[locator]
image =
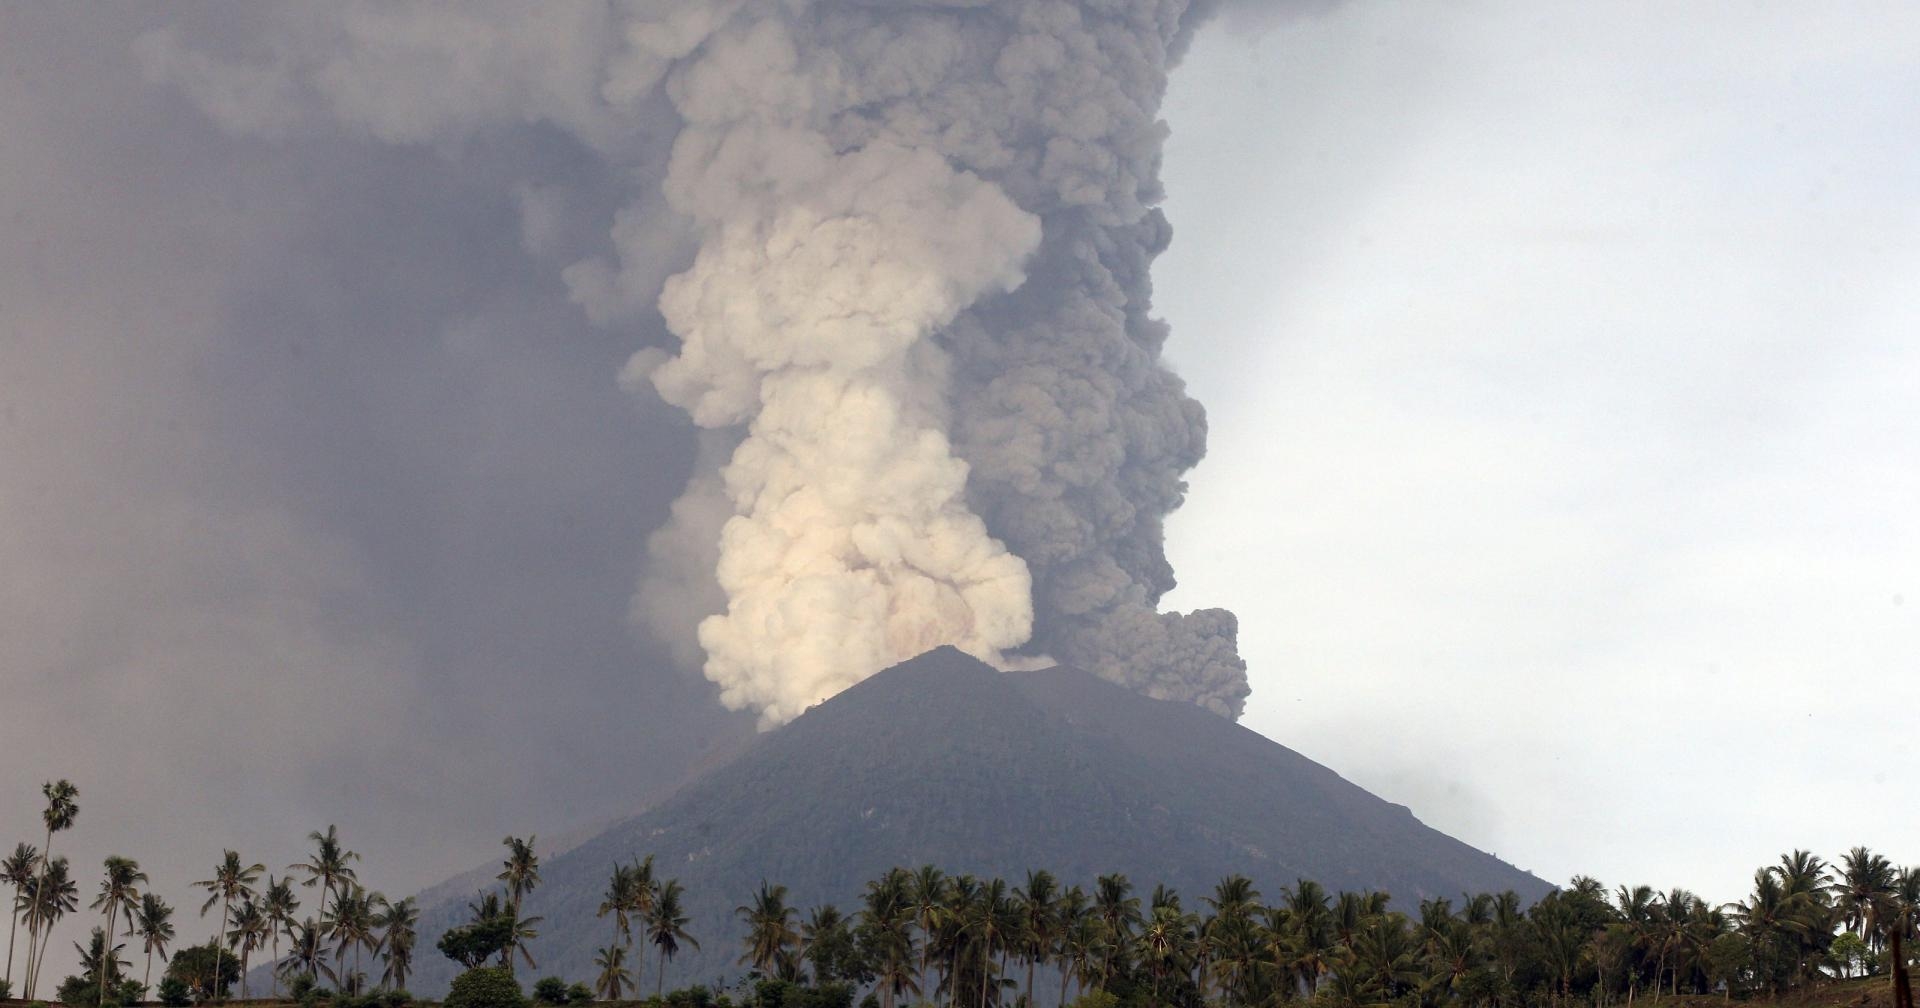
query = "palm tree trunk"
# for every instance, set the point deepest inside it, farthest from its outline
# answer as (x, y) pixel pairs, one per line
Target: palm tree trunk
(12, 928)
(1902, 984)
(219, 946)
(106, 952)
(660, 977)
(1064, 971)
(33, 928)
(1030, 965)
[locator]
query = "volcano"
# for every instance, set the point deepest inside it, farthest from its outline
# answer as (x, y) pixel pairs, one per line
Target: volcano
(944, 760)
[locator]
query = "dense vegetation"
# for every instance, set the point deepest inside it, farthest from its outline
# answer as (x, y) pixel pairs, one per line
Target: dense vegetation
(957, 941)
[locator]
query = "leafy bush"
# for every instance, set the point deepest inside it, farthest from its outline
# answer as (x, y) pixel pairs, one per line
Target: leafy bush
(471, 945)
(194, 966)
(300, 987)
(579, 994)
(485, 987)
(1095, 999)
(173, 992)
(6, 990)
(691, 997)
(550, 991)
(399, 997)
(77, 990)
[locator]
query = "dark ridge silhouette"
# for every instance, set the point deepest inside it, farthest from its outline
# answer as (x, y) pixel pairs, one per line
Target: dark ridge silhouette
(944, 760)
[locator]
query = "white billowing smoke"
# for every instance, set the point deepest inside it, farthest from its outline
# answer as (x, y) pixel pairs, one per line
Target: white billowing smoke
(916, 329)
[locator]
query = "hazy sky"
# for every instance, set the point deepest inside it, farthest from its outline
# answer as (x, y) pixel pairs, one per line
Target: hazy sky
(1562, 372)
(1562, 469)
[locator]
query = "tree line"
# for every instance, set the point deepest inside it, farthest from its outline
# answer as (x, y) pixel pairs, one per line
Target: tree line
(926, 937)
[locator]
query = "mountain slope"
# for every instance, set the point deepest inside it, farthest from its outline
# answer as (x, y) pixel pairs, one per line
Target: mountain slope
(944, 760)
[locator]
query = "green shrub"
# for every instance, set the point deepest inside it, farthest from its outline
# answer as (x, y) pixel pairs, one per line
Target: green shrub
(6, 990)
(173, 992)
(399, 997)
(80, 990)
(550, 991)
(485, 987)
(579, 994)
(1095, 999)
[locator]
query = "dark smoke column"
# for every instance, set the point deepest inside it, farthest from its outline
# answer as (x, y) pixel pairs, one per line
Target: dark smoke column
(1077, 434)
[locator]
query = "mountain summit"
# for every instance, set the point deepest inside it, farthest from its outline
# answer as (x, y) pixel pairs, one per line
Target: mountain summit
(943, 760)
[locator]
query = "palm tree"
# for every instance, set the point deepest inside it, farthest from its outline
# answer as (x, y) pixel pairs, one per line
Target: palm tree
(887, 918)
(641, 909)
(62, 809)
(119, 889)
(278, 904)
(927, 894)
(1863, 893)
(306, 954)
(153, 923)
(618, 901)
(1077, 936)
(231, 880)
(1119, 911)
(397, 941)
(1039, 904)
(18, 871)
(520, 871)
(667, 928)
(613, 972)
(330, 865)
(351, 923)
(249, 932)
(771, 934)
(1780, 924)
(822, 937)
(52, 896)
(1165, 942)
(100, 958)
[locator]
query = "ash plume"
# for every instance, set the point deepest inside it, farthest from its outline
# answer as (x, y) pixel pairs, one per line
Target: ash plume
(903, 253)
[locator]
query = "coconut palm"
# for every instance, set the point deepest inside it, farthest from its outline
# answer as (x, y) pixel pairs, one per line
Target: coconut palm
(248, 932)
(62, 809)
(823, 937)
(231, 880)
(52, 896)
(887, 921)
(1038, 903)
(278, 903)
(667, 928)
(17, 870)
(613, 978)
(619, 901)
(1165, 942)
(771, 932)
(397, 940)
(351, 924)
(101, 958)
(1077, 938)
(306, 953)
(330, 865)
(1863, 893)
(153, 924)
(641, 910)
(1119, 911)
(927, 895)
(520, 871)
(118, 890)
